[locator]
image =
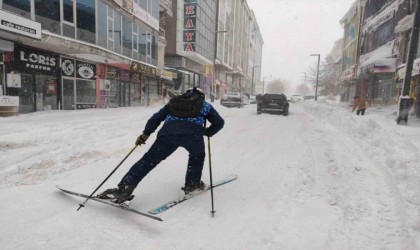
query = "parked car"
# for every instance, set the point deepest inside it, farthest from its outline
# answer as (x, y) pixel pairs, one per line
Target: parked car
(252, 99)
(296, 98)
(309, 97)
(272, 103)
(231, 100)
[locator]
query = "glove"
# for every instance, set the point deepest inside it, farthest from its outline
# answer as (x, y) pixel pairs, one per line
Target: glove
(207, 132)
(141, 139)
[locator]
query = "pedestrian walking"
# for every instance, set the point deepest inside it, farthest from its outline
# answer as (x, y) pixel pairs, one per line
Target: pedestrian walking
(360, 104)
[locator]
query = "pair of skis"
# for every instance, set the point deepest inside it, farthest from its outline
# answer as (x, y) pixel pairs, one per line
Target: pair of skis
(158, 209)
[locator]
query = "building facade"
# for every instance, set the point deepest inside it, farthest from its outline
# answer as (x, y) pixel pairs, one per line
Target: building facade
(65, 54)
(239, 49)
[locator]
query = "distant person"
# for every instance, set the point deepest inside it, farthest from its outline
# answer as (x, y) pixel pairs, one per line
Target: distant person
(360, 104)
(183, 126)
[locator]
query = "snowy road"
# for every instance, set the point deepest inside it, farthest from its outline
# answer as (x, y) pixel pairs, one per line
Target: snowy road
(320, 178)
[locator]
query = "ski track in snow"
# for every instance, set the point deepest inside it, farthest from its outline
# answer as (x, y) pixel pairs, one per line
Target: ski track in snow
(320, 178)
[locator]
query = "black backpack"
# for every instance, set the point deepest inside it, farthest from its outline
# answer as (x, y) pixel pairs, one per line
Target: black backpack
(186, 105)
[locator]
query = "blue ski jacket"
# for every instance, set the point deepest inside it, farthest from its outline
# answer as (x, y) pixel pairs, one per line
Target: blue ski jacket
(185, 126)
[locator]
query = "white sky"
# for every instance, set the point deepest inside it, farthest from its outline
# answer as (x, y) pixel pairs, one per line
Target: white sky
(294, 29)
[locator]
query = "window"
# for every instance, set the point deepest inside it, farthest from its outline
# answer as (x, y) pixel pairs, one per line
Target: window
(20, 7)
(48, 14)
(86, 25)
(148, 47)
(103, 29)
(68, 19)
(142, 43)
(117, 32)
(68, 13)
(135, 42)
(127, 37)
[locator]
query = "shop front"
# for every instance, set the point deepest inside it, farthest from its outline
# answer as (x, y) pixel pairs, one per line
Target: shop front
(33, 76)
(377, 73)
(149, 82)
(78, 84)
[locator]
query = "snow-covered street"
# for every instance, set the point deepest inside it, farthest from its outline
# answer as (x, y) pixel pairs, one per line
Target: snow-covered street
(320, 178)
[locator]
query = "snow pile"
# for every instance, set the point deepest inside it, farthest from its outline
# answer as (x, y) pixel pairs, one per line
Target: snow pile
(320, 178)
(390, 148)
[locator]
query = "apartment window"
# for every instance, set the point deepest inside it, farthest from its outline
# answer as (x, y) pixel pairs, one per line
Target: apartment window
(48, 14)
(86, 25)
(20, 7)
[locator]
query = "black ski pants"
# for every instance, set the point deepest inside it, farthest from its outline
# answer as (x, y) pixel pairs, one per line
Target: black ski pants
(163, 147)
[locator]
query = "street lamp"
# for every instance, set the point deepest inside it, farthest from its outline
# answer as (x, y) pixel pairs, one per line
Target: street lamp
(252, 85)
(216, 32)
(317, 76)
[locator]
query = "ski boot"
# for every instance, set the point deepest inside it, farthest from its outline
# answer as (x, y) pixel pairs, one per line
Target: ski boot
(193, 186)
(121, 195)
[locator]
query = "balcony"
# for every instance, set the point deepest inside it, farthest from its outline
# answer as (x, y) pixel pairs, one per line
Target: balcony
(166, 6)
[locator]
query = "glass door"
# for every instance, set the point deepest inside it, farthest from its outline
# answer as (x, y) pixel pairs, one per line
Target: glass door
(68, 94)
(27, 94)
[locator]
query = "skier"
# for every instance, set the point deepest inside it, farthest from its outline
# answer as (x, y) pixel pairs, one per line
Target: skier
(177, 131)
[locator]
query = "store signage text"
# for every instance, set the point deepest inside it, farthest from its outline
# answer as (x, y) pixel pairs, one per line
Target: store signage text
(190, 20)
(67, 66)
(85, 70)
(139, 68)
(29, 60)
(82, 69)
(9, 101)
(19, 25)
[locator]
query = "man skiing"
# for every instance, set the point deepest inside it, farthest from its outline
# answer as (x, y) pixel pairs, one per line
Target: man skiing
(183, 127)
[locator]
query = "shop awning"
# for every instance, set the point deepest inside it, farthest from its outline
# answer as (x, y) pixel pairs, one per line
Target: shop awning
(402, 69)
(405, 24)
(379, 61)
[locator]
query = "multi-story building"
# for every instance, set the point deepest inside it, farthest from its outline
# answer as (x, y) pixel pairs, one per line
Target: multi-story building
(405, 19)
(377, 62)
(239, 48)
(75, 54)
(190, 48)
(351, 25)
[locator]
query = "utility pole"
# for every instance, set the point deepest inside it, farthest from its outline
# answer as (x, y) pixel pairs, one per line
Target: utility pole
(317, 76)
(404, 101)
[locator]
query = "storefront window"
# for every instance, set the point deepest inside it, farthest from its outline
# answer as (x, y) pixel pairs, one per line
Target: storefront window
(135, 94)
(48, 14)
(85, 92)
(46, 92)
(68, 94)
(86, 20)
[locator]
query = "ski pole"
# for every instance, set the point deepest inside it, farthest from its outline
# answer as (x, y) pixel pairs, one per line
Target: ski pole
(90, 196)
(211, 178)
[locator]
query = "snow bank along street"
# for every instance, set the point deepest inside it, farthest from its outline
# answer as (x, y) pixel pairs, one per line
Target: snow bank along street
(320, 178)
